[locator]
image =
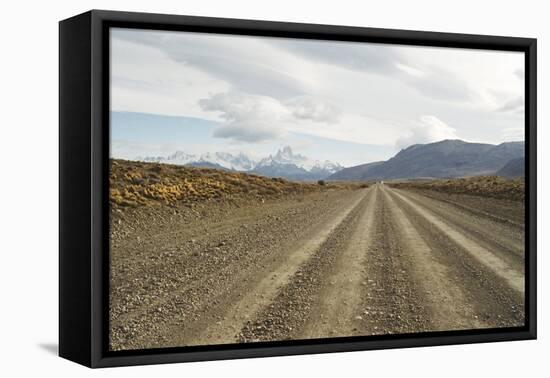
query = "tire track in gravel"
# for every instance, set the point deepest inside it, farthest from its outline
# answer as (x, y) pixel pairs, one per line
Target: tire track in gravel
(192, 287)
(153, 250)
(261, 293)
(443, 294)
(480, 208)
(490, 259)
(375, 261)
(337, 310)
(287, 314)
(392, 301)
(491, 300)
(493, 235)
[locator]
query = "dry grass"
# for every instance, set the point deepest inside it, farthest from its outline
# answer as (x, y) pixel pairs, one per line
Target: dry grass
(143, 184)
(484, 186)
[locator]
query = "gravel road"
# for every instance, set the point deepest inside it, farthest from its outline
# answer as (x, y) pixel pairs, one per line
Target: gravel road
(337, 263)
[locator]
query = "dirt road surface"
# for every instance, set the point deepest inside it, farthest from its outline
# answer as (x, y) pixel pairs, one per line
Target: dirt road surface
(344, 263)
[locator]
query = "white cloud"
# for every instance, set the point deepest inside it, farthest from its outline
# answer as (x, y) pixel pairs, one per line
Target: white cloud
(248, 64)
(315, 109)
(410, 70)
(248, 118)
(143, 79)
(466, 77)
(429, 129)
(516, 104)
(513, 134)
(355, 92)
(440, 85)
(255, 118)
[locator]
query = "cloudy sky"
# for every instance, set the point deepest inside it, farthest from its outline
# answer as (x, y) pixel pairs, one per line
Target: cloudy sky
(347, 102)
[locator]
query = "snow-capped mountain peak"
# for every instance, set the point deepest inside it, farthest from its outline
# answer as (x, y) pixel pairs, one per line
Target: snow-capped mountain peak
(180, 156)
(285, 155)
(239, 162)
(285, 163)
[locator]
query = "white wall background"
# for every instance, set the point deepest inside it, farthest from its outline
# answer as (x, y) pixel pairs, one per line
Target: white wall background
(29, 185)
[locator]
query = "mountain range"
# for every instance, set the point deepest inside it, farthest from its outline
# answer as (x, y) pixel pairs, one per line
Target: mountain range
(220, 160)
(285, 163)
(514, 168)
(443, 159)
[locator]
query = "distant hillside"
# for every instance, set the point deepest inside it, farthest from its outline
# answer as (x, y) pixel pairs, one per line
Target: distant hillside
(514, 168)
(288, 171)
(447, 158)
(356, 173)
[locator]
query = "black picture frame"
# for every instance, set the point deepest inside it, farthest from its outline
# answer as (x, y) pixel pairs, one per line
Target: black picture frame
(83, 181)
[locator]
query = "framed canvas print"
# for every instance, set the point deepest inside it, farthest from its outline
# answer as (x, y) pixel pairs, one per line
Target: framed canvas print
(234, 188)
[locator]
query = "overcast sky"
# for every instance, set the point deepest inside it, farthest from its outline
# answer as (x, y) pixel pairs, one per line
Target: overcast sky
(350, 102)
